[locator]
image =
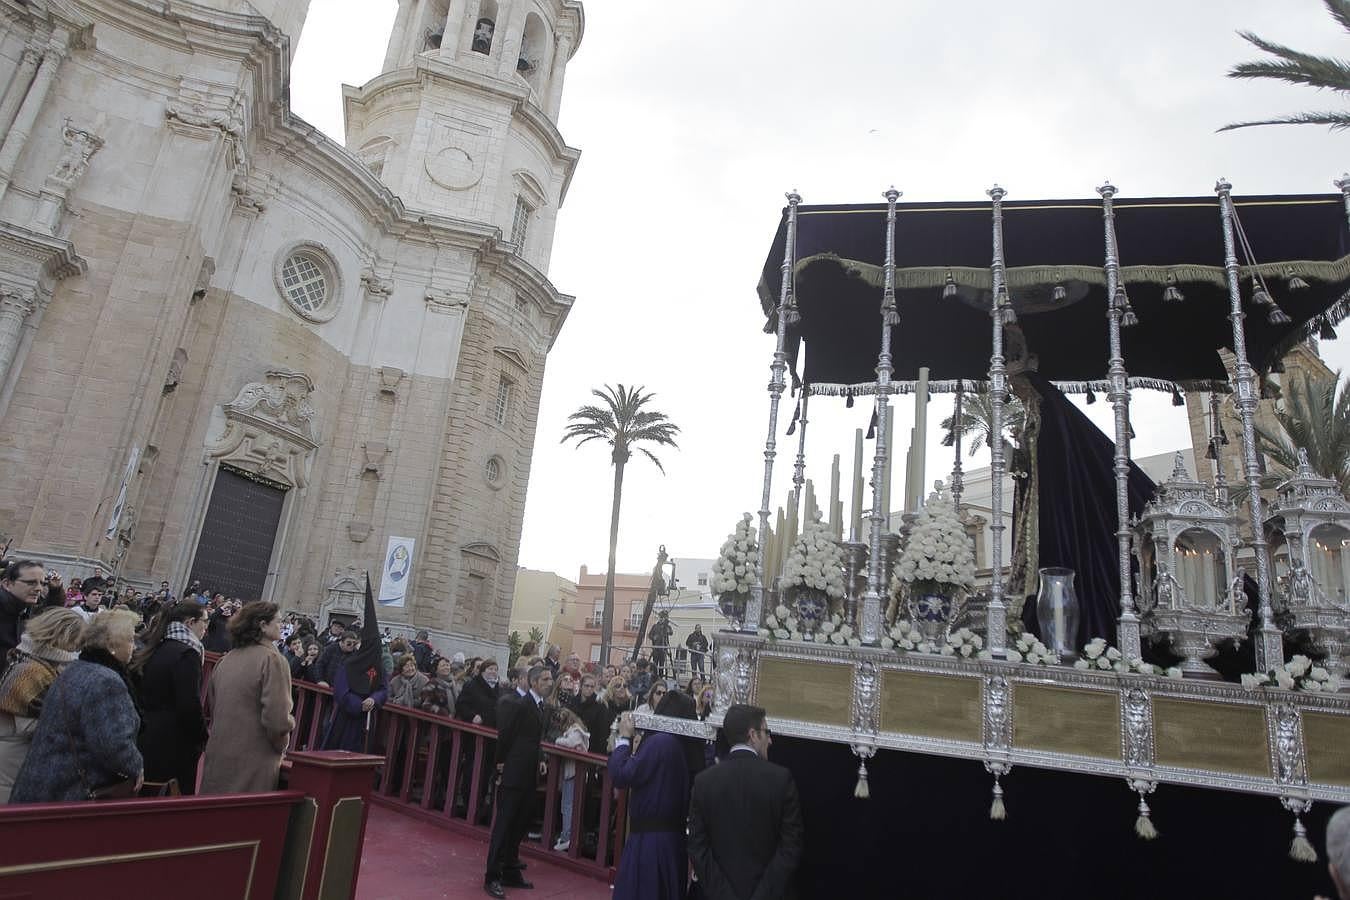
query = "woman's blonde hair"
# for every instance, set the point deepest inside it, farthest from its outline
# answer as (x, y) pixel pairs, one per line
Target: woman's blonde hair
(107, 626)
(59, 628)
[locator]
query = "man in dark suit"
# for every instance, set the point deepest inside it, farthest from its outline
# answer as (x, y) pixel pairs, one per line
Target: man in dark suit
(745, 823)
(520, 727)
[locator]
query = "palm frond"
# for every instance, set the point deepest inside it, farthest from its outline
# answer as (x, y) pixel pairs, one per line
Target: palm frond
(1340, 11)
(1294, 66)
(1336, 121)
(647, 453)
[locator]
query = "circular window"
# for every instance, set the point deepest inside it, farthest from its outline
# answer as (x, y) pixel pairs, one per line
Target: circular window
(308, 280)
(493, 470)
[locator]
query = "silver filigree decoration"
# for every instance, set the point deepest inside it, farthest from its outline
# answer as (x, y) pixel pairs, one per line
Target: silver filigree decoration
(866, 699)
(997, 725)
(1137, 728)
(1290, 767)
(692, 728)
(726, 678)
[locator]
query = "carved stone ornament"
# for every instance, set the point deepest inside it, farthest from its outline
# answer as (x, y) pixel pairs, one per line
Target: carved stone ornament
(390, 378)
(376, 289)
(268, 429)
(1137, 728)
(375, 452)
(446, 302)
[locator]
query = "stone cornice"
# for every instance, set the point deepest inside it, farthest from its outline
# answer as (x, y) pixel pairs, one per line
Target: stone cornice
(54, 16)
(56, 258)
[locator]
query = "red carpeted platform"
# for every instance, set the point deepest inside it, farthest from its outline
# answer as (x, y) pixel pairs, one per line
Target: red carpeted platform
(407, 859)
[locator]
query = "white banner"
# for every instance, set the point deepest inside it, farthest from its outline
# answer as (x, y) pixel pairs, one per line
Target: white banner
(116, 517)
(397, 571)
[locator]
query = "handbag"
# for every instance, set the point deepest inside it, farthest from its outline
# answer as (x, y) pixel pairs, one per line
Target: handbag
(122, 789)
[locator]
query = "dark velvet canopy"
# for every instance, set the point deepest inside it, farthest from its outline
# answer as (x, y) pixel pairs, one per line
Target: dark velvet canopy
(1050, 244)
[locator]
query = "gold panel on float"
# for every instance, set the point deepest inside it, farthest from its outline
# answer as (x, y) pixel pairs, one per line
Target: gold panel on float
(805, 691)
(1066, 720)
(940, 706)
(1327, 739)
(1220, 737)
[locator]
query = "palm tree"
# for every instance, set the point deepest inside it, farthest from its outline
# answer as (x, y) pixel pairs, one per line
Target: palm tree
(1295, 67)
(1316, 418)
(977, 420)
(622, 422)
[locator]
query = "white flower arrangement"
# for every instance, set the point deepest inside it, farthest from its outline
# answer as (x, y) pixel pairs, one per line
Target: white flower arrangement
(1099, 656)
(963, 643)
(1028, 649)
(815, 561)
(782, 625)
(903, 636)
(734, 571)
(1299, 674)
(938, 556)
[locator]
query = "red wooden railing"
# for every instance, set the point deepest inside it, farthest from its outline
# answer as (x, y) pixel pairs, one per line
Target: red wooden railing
(440, 770)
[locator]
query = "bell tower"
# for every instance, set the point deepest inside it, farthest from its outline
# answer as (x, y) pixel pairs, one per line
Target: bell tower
(462, 122)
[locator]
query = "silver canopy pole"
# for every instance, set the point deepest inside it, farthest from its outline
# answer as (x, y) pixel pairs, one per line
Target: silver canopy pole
(997, 615)
(1269, 642)
(1127, 629)
(869, 628)
(754, 610)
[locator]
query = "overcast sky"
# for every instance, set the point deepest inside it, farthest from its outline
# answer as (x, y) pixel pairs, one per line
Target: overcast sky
(694, 119)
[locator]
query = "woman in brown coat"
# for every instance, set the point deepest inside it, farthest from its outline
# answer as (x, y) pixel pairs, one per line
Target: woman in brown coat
(249, 696)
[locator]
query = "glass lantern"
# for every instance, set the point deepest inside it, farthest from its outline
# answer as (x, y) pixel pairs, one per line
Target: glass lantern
(1190, 592)
(1310, 523)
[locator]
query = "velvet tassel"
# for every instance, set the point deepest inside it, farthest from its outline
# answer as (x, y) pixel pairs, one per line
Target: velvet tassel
(1301, 849)
(1009, 315)
(1059, 294)
(1127, 318)
(872, 427)
(1091, 397)
(1172, 293)
(997, 811)
(796, 414)
(794, 316)
(860, 790)
(1325, 331)
(1276, 316)
(848, 400)
(888, 314)
(1295, 283)
(1177, 399)
(1143, 825)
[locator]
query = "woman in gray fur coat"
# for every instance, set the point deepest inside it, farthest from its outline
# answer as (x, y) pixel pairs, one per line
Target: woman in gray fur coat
(86, 734)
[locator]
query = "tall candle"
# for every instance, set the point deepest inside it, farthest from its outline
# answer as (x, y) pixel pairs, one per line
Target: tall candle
(834, 497)
(855, 519)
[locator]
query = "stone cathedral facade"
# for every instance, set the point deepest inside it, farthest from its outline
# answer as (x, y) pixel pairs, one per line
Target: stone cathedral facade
(234, 350)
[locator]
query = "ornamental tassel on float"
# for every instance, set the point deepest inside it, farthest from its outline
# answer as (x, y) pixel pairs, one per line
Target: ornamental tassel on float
(949, 289)
(1091, 397)
(1143, 826)
(1172, 294)
(1292, 280)
(997, 811)
(861, 790)
(1325, 331)
(1301, 850)
(1059, 294)
(1177, 399)
(794, 315)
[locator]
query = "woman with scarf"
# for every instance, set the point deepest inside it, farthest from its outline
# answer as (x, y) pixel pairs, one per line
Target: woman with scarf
(84, 747)
(169, 666)
(659, 775)
(50, 643)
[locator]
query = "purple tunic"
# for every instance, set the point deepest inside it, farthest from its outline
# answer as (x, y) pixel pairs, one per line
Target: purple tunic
(347, 728)
(655, 864)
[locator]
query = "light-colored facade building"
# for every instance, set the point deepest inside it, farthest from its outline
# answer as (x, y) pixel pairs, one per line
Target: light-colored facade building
(543, 601)
(232, 349)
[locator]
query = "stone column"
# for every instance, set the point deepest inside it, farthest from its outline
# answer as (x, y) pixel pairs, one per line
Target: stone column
(561, 52)
(17, 137)
(18, 87)
(456, 18)
(393, 57)
(15, 307)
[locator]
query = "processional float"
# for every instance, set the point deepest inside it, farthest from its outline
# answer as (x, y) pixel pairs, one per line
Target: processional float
(979, 295)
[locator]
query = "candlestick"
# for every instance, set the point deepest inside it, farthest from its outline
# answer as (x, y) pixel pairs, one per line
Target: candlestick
(855, 518)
